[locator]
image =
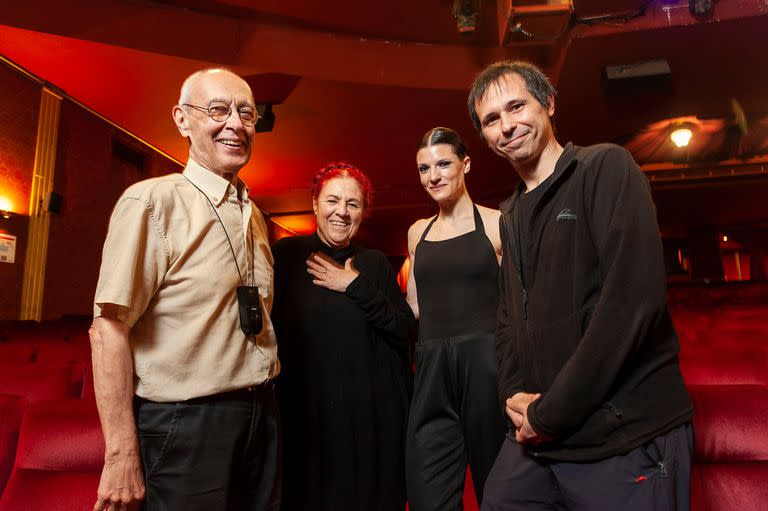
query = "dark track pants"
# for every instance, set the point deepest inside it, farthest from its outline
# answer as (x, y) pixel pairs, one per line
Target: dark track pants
(635, 481)
(454, 419)
(215, 453)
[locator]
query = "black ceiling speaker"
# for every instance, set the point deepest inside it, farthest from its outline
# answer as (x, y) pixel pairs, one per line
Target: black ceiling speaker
(701, 8)
(267, 120)
(637, 78)
(54, 202)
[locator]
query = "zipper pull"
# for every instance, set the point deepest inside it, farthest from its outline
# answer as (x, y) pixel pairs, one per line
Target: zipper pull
(525, 304)
(616, 411)
(662, 469)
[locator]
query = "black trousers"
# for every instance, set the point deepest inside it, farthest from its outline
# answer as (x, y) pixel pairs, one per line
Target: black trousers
(455, 419)
(220, 452)
(652, 477)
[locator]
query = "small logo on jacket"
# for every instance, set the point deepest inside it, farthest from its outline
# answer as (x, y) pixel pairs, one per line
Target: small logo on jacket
(566, 214)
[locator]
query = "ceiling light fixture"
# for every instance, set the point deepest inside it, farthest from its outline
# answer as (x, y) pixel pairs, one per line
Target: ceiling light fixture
(465, 12)
(701, 8)
(681, 136)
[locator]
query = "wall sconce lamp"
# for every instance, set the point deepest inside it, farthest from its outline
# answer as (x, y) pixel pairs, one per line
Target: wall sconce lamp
(681, 136)
(5, 208)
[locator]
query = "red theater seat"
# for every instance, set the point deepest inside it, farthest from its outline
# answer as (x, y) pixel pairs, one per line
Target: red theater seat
(11, 330)
(59, 459)
(88, 392)
(36, 382)
(731, 423)
(729, 326)
(11, 413)
(63, 352)
(76, 355)
(729, 487)
(730, 470)
(737, 340)
(31, 336)
(690, 323)
(749, 314)
(67, 329)
(18, 352)
(719, 365)
(70, 329)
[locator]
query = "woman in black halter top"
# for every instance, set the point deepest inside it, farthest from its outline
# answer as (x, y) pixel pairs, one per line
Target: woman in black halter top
(455, 418)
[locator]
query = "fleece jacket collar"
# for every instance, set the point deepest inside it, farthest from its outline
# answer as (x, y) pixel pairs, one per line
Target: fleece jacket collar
(564, 162)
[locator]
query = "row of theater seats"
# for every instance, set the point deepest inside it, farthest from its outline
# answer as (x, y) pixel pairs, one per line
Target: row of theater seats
(51, 448)
(51, 445)
(724, 360)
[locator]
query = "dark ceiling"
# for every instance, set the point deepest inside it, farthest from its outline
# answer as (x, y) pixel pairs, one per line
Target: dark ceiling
(361, 81)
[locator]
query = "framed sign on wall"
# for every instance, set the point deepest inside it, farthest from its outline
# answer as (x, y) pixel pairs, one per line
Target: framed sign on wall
(7, 248)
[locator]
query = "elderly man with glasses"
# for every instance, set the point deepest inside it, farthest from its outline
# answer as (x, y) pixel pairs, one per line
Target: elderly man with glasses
(182, 343)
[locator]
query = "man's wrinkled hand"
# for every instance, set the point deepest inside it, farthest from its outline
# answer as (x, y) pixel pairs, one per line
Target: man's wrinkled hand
(122, 484)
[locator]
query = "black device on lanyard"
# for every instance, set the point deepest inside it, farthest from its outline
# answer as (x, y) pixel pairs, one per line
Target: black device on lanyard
(248, 299)
(249, 305)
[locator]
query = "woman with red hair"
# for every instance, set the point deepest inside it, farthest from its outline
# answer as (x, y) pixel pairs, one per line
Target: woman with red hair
(342, 326)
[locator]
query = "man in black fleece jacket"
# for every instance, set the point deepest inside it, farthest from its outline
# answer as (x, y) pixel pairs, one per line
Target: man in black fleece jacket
(588, 368)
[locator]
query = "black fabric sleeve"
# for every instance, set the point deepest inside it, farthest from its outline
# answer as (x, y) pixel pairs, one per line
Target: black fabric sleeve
(510, 378)
(383, 303)
(622, 221)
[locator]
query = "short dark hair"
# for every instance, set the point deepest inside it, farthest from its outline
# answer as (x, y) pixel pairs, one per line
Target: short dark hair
(535, 80)
(446, 136)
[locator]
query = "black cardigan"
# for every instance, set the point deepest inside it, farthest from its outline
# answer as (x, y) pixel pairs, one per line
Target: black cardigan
(592, 331)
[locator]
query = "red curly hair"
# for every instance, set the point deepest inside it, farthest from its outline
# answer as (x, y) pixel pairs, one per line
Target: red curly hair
(343, 169)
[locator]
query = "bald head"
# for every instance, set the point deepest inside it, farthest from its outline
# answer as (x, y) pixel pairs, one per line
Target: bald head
(193, 81)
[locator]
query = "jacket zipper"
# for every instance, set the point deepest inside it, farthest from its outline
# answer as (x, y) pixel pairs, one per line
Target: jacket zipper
(513, 236)
(525, 303)
(536, 210)
(525, 295)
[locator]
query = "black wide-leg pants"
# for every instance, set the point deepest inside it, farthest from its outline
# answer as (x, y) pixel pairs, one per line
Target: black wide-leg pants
(220, 452)
(455, 420)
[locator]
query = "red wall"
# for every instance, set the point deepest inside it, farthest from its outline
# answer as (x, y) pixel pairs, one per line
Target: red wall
(11, 275)
(19, 107)
(90, 179)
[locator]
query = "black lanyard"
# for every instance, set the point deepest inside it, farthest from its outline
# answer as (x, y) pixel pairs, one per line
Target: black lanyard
(231, 248)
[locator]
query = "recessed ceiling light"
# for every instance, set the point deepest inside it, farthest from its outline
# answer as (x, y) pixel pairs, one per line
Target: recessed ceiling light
(681, 137)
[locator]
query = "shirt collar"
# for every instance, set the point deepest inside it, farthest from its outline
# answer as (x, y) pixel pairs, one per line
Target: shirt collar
(215, 187)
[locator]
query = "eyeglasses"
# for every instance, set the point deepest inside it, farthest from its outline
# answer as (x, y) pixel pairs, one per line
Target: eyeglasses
(220, 112)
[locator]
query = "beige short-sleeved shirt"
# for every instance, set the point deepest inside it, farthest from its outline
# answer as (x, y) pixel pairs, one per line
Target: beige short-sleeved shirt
(168, 266)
